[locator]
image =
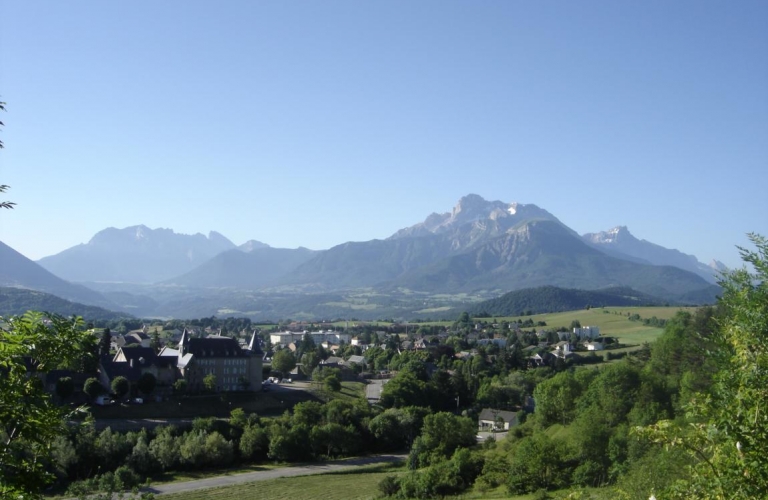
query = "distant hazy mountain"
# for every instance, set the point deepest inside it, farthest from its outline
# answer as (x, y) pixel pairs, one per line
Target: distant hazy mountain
(473, 222)
(135, 254)
(20, 272)
(484, 245)
(252, 245)
(475, 219)
(542, 253)
(248, 270)
(621, 243)
(17, 301)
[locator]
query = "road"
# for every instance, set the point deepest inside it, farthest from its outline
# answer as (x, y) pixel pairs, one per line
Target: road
(248, 477)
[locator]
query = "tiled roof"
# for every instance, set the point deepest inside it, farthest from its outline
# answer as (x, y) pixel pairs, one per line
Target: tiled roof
(215, 347)
(490, 414)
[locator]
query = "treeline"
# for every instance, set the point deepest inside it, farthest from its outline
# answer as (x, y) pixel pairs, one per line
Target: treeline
(91, 461)
(549, 299)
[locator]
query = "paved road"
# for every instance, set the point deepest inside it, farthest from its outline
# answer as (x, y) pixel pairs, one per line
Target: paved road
(248, 477)
(373, 390)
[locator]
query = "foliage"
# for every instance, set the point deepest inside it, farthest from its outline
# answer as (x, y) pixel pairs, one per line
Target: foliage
(553, 299)
(146, 383)
(29, 420)
(441, 434)
(284, 361)
(15, 301)
(120, 386)
(209, 382)
(727, 431)
(105, 342)
(65, 387)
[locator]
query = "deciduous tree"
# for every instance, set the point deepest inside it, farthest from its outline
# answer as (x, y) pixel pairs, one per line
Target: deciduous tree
(29, 421)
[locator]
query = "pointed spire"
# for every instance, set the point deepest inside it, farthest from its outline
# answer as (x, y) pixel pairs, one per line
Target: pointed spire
(255, 344)
(183, 341)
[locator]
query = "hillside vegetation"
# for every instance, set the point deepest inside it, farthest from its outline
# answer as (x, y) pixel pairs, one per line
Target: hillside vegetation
(549, 299)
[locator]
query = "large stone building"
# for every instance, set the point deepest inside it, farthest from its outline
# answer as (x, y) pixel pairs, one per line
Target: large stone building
(234, 368)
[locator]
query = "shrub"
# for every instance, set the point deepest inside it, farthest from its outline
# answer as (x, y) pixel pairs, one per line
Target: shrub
(389, 486)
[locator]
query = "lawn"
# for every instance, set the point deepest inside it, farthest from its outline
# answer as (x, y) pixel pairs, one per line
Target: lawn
(356, 484)
(612, 321)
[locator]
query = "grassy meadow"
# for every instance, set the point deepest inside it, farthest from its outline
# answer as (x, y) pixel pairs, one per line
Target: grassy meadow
(357, 484)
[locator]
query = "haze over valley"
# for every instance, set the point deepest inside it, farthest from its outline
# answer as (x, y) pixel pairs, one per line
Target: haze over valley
(480, 249)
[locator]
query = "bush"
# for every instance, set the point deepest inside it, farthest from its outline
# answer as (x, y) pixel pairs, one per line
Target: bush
(389, 486)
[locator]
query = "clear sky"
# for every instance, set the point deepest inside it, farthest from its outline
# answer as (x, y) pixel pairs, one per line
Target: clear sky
(315, 123)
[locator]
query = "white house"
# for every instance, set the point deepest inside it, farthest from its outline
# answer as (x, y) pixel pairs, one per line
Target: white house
(499, 420)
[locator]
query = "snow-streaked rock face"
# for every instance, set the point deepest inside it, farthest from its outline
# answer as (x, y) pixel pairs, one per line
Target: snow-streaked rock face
(619, 242)
(475, 210)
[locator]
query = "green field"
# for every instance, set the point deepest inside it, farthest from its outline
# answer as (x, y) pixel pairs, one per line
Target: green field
(353, 485)
(358, 484)
(612, 321)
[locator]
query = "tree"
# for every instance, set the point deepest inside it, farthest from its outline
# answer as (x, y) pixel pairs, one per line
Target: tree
(575, 324)
(155, 343)
(726, 433)
(209, 382)
(309, 362)
(146, 383)
(180, 386)
(105, 342)
(29, 421)
(93, 388)
(284, 361)
(120, 386)
(404, 390)
(65, 387)
(332, 383)
(3, 187)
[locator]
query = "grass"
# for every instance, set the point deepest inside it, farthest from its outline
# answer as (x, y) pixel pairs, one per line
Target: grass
(358, 484)
(350, 391)
(178, 476)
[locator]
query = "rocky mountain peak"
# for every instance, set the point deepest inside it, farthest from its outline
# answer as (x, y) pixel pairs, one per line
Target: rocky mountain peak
(611, 236)
(251, 245)
(474, 210)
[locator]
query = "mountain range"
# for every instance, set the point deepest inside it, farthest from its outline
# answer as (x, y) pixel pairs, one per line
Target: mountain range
(481, 248)
(135, 254)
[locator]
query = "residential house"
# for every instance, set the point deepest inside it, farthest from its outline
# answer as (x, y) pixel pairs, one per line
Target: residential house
(594, 346)
(496, 420)
(137, 337)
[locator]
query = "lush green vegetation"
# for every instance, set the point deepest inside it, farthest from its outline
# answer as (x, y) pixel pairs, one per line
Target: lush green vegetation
(549, 299)
(682, 417)
(16, 301)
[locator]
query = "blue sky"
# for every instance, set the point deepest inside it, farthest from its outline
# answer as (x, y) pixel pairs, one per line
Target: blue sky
(316, 123)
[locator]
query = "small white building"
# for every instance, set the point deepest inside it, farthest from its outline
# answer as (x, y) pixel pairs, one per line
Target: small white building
(594, 346)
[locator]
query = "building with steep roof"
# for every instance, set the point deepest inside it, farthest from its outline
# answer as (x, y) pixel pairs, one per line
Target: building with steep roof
(235, 368)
